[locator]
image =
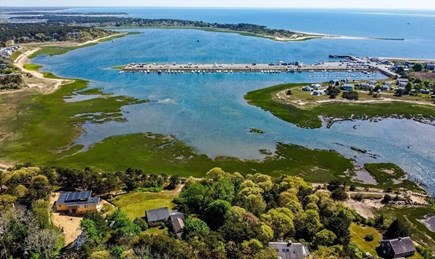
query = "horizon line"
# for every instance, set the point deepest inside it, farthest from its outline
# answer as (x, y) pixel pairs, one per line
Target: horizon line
(221, 7)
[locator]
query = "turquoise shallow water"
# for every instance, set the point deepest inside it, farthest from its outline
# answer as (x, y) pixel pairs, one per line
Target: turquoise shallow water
(208, 111)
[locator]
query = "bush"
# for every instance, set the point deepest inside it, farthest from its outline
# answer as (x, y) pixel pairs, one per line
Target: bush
(352, 188)
(387, 199)
(339, 194)
(141, 222)
(368, 237)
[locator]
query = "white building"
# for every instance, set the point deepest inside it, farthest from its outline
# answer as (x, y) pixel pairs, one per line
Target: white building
(289, 250)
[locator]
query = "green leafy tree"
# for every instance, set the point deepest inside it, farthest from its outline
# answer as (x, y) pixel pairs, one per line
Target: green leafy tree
(397, 228)
(281, 222)
(215, 213)
(324, 237)
(417, 67)
(193, 227)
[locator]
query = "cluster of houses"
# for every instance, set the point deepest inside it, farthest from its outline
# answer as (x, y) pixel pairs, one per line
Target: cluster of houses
(7, 51)
(80, 203)
(315, 89)
(5, 54)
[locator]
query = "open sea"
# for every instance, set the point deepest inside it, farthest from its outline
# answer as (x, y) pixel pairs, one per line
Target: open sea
(208, 111)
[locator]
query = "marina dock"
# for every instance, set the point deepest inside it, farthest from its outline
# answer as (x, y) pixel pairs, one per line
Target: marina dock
(227, 68)
(352, 64)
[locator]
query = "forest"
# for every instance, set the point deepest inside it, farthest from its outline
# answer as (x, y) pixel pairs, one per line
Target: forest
(42, 32)
(228, 215)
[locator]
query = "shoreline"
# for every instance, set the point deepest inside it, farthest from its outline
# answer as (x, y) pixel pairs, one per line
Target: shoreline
(45, 84)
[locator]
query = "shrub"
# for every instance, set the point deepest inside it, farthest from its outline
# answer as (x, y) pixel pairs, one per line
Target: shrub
(368, 237)
(339, 194)
(141, 222)
(352, 188)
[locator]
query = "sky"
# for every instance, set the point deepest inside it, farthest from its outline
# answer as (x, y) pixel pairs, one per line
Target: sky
(359, 4)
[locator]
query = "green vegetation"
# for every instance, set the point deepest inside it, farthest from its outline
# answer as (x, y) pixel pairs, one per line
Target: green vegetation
(309, 118)
(49, 124)
(33, 67)
(161, 154)
(256, 131)
(57, 50)
(411, 215)
(358, 237)
(120, 67)
(134, 204)
(391, 176)
(15, 55)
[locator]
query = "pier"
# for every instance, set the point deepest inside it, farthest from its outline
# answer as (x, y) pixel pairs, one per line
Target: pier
(232, 68)
(351, 64)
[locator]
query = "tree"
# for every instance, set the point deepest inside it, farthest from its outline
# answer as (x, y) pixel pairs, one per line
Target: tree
(339, 223)
(46, 243)
(251, 199)
(215, 213)
(397, 228)
(387, 199)
(339, 194)
(409, 87)
(173, 181)
(418, 67)
(324, 237)
(194, 227)
(141, 222)
(281, 221)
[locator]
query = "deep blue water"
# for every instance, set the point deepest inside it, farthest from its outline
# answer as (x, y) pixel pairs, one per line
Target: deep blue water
(208, 111)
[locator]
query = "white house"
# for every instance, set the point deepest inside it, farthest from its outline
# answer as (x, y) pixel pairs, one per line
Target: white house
(316, 86)
(289, 250)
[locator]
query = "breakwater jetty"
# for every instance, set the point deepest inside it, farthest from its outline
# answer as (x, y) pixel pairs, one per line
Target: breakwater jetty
(351, 64)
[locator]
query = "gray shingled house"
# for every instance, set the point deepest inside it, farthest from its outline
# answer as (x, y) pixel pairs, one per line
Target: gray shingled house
(173, 219)
(156, 216)
(396, 248)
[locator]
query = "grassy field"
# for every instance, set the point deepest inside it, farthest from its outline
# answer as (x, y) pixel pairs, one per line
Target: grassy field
(309, 118)
(386, 173)
(420, 232)
(33, 67)
(358, 233)
(136, 203)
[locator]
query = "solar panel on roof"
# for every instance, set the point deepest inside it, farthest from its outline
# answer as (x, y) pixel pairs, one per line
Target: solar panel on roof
(78, 196)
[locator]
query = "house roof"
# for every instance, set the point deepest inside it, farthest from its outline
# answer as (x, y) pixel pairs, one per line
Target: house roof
(157, 214)
(177, 223)
(401, 245)
(298, 249)
(72, 198)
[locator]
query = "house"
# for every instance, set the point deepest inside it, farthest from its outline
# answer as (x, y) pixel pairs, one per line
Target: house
(385, 87)
(316, 86)
(173, 219)
(430, 66)
(177, 223)
(77, 203)
(317, 92)
(307, 89)
(402, 82)
(347, 87)
(396, 248)
(156, 216)
(289, 250)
